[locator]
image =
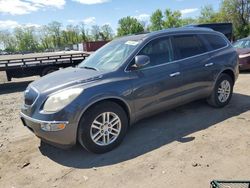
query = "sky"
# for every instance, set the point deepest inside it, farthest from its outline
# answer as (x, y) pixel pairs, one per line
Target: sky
(15, 13)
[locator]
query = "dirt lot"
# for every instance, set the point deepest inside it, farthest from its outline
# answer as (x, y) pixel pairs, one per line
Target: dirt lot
(185, 147)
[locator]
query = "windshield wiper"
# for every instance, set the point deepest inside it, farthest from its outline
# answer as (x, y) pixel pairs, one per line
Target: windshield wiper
(91, 68)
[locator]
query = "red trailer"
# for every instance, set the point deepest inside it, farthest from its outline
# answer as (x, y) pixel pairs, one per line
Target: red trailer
(93, 46)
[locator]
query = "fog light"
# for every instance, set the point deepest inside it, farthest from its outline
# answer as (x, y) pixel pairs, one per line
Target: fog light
(52, 127)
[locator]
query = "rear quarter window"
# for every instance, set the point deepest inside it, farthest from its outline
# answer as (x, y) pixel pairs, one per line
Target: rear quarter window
(187, 46)
(215, 41)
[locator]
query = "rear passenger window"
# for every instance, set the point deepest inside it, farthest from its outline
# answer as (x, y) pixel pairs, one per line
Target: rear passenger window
(187, 46)
(215, 41)
(159, 51)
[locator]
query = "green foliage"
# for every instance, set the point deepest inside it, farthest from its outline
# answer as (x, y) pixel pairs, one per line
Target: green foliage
(172, 19)
(55, 36)
(26, 39)
(83, 33)
(188, 21)
(95, 31)
(129, 25)
(156, 20)
(237, 12)
(106, 32)
(8, 41)
(208, 15)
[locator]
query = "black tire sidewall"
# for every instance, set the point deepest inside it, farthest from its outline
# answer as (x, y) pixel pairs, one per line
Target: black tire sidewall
(86, 121)
(219, 81)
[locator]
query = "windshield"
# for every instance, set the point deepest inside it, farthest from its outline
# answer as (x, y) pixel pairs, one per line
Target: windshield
(242, 44)
(111, 56)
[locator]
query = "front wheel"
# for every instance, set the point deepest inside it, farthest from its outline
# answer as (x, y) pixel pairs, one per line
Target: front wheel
(222, 92)
(103, 127)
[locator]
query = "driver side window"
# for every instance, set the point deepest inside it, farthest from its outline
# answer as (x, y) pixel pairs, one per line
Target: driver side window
(159, 51)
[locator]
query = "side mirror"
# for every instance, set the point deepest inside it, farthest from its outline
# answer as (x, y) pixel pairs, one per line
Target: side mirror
(141, 61)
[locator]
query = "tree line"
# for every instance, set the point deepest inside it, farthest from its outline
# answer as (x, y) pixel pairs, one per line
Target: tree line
(55, 36)
(52, 36)
(233, 11)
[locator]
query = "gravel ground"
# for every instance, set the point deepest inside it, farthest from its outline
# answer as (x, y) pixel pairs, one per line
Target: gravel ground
(185, 147)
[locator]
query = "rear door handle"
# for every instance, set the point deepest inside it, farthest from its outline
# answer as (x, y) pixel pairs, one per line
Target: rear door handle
(175, 74)
(209, 64)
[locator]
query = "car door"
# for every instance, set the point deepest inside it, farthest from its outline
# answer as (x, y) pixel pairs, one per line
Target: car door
(194, 61)
(156, 85)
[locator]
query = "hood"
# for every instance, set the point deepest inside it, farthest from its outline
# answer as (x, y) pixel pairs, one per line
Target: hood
(66, 78)
(242, 51)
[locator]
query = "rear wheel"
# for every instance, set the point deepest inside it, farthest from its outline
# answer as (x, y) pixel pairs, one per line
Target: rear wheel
(103, 127)
(222, 92)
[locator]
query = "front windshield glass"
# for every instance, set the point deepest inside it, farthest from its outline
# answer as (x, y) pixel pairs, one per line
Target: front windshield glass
(242, 44)
(111, 56)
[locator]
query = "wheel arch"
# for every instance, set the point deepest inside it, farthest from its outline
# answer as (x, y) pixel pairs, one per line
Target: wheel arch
(230, 73)
(227, 71)
(121, 102)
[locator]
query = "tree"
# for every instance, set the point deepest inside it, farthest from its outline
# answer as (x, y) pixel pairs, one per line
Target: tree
(95, 31)
(129, 25)
(26, 39)
(55, 32)
(8, 41)
(188, 21)
(156, 20)
(237, 12)
(45, 37)
(84, 33)
(71, 35)
(106, 32)
(172, 19)
(208, 15)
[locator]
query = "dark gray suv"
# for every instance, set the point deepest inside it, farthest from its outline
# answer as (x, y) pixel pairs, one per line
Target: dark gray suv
(129, 79)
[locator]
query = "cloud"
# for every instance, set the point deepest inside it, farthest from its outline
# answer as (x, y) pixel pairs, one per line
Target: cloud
(86, 21)
(16, 7)
(11, 24)
(91, 2)
(49, 3)
(89, 21)
(8, 24)
(188, 10)
(142, 17)
(72, 21)
(20, 7)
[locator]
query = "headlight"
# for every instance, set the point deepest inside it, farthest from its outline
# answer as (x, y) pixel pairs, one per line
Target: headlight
(59, 100)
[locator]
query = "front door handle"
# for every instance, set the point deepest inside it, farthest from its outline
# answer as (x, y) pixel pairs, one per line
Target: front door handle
(175, 74)
(209, 64)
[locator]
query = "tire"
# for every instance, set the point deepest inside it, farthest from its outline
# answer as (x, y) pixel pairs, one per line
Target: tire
(48, 70)
(87, 131)
(216, 100)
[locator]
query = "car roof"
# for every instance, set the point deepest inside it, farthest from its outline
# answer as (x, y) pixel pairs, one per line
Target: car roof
(143, 36)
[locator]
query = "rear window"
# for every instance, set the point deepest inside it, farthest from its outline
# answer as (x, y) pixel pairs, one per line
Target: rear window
(215, 41)
(187, 46)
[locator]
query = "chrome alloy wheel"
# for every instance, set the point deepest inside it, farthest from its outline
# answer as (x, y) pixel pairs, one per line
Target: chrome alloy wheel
(105, 129)
(224, 91)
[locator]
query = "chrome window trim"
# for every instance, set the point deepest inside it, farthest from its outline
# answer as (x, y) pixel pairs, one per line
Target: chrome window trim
(170, 35)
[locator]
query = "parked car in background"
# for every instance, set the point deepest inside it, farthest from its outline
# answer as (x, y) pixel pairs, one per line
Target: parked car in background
(129, 79)
(4, 53)
(243, 48)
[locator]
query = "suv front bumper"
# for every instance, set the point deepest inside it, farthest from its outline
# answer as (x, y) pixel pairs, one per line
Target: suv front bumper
(61, 138)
